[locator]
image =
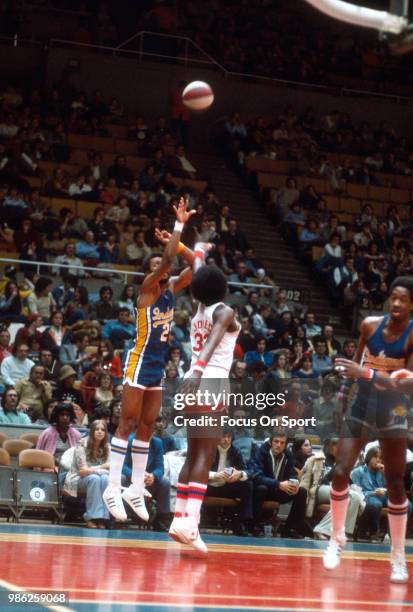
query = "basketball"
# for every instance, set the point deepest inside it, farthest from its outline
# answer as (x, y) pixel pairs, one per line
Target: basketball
(197, 96)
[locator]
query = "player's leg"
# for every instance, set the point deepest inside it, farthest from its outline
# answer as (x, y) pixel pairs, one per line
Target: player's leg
(133, 495)
(347, 453)
(132, 399)
(394, 459)
(193, 482)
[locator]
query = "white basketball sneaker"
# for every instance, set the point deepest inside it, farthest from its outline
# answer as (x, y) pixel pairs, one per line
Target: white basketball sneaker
(399, 573)
(112, 497)
(185, 530)
(136, 500)
(332, 554)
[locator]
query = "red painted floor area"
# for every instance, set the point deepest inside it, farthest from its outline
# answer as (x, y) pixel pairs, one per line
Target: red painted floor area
(161, 573)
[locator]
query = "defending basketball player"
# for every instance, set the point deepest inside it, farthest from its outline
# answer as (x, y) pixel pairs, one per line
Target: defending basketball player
(385, 347)
(214, 330)
(144, 368)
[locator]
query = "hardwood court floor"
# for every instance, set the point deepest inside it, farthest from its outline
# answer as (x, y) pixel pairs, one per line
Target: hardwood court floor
(145, 571)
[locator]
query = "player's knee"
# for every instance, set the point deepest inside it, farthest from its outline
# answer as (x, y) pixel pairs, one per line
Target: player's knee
(341, 472)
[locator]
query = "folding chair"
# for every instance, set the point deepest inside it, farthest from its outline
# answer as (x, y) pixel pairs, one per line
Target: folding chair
(37, 489)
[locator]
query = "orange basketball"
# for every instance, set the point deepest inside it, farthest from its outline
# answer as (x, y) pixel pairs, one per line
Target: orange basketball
(198, 95)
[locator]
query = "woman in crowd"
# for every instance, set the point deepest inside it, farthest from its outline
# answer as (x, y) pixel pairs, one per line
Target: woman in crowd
(104, 389)
(53, 335)
(316, 479)
(11, 304)
(306, 370)
(89, 474)
(301, 450)
(128, 299)
(61, 434)
(370, 478)
(41, 300)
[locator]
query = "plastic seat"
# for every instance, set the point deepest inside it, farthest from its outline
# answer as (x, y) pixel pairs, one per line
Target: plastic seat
(30, 437)
(33, 458)
(4, 458)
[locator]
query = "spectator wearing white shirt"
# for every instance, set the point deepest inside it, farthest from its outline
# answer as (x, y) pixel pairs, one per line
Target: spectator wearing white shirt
(80, 187)
(17, 366)
(41, 300)
(181, 165)
(69, 259)
(311, 329)
(120, 212)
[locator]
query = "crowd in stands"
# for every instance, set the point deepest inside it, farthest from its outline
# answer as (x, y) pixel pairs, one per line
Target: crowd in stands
(327, 162)
(62, 339)
(284, 40)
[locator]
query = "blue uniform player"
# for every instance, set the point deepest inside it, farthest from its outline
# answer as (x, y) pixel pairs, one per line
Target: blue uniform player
(385, 351)
(145, 362)
(144, 367)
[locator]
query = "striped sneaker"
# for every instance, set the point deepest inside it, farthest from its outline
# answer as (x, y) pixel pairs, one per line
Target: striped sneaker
(332, 554)
(112, 497)
(136, 500)
(398, 565)
(185, 530)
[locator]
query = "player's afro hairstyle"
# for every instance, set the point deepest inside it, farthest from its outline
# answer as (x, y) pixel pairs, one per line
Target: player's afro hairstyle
(403, 281)
(209, 285)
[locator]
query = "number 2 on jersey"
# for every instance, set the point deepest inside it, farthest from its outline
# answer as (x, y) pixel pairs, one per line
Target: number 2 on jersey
(165, 332)
(200, 341)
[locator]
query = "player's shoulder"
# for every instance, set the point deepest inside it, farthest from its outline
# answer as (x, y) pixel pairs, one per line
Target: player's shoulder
(370, 323)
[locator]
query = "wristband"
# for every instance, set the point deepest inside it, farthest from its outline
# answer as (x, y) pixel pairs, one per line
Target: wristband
(181, 247)
(368, 374)
(179, 226)
(199, 365)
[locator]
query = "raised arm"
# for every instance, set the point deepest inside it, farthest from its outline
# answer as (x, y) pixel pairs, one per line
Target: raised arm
(171, 249)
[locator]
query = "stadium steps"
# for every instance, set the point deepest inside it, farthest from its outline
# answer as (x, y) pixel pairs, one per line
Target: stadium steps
(277, 256)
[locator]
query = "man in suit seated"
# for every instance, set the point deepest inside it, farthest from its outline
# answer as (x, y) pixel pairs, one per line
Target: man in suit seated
(228, 478)
(273, 472)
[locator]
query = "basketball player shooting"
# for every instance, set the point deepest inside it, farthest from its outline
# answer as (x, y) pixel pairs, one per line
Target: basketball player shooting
(144, 368)
(384, 353)
(214, 331)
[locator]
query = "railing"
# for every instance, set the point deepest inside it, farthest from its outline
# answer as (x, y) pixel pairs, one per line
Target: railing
(294, 295)
(16, 41)
(188, 52)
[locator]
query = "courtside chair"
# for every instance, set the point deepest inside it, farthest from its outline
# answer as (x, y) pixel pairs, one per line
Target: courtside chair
(37, 487)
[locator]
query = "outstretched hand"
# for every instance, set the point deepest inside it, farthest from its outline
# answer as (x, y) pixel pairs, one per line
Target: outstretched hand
(163, 236)
(182, 213)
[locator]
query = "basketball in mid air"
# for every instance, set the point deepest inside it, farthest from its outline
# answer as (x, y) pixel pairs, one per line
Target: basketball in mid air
(198, 96)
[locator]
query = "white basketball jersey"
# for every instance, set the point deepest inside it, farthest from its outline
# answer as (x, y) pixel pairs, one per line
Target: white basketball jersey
(201, 326)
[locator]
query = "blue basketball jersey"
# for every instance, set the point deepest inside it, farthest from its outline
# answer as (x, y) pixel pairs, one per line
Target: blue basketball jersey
(145, 362)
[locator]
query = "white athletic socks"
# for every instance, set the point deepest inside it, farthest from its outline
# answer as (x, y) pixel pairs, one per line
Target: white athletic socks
(140, 450)
(339, 504)
(118, 449)
(181, 499)
(397, 525)
(196, 494)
